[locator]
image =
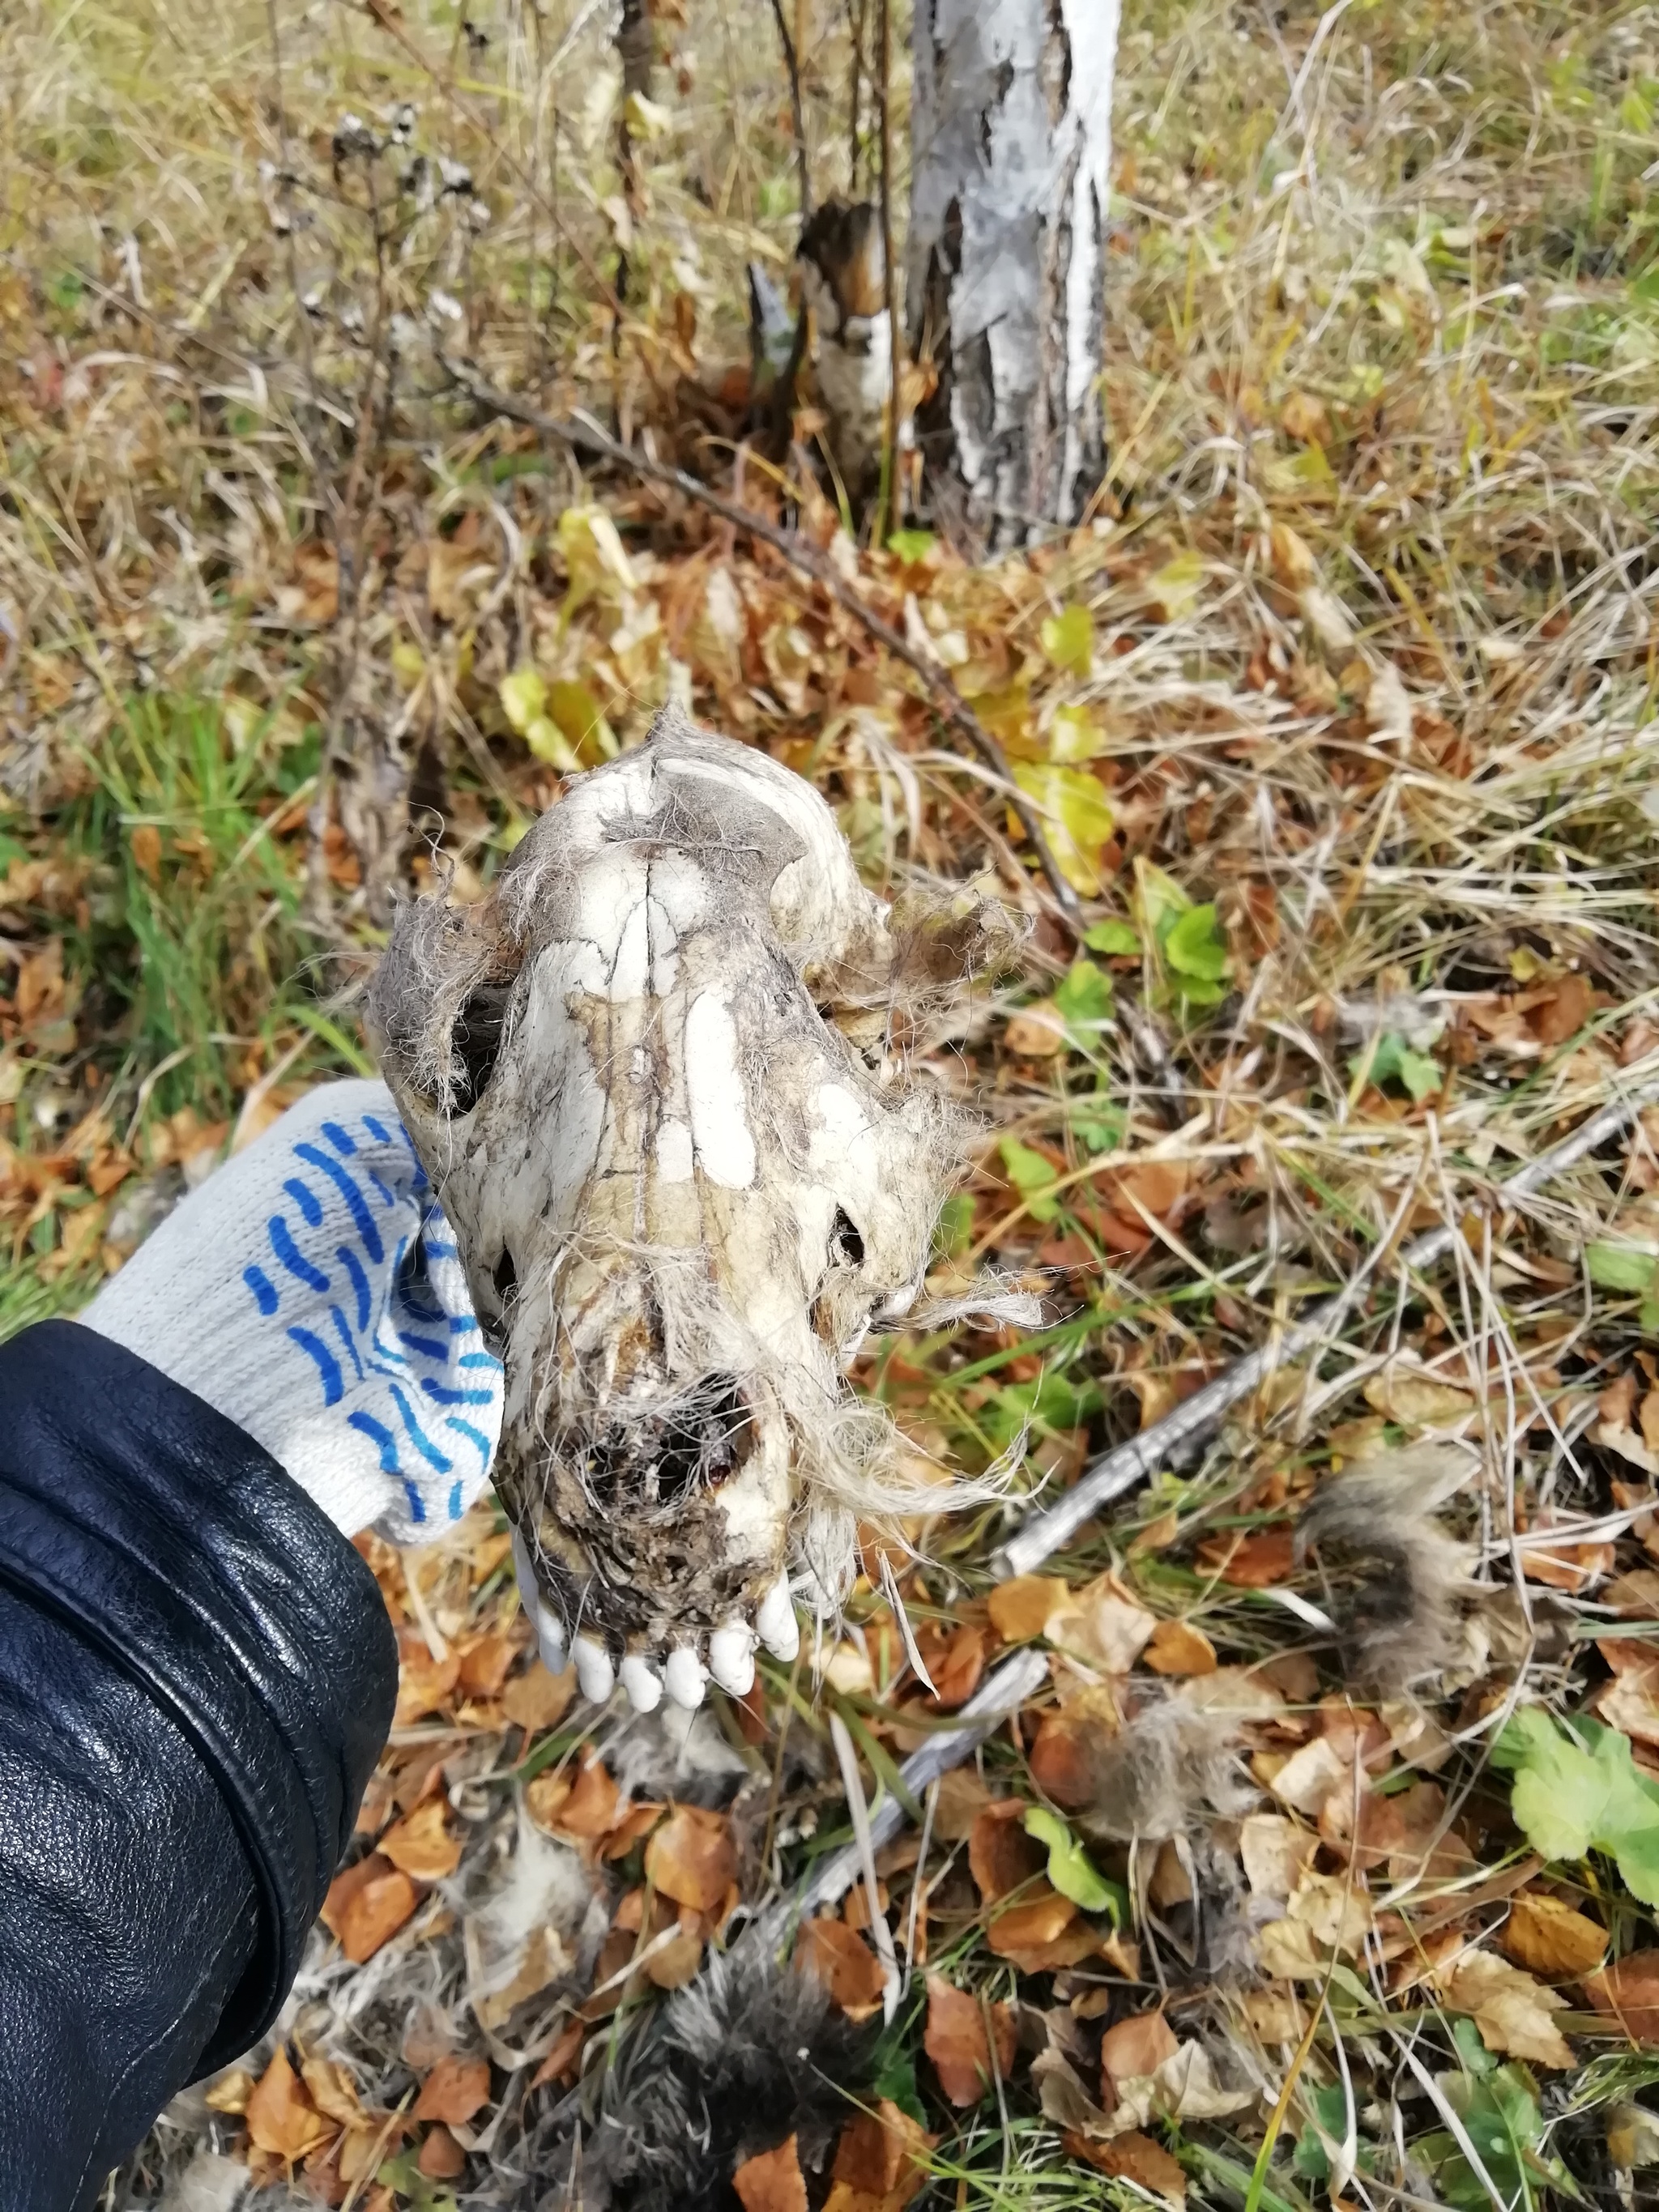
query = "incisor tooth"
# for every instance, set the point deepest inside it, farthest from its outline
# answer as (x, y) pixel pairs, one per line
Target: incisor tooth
(732, 1657)
(593, 1669)
(642, 1683)
(683, 1677)
(774, 1624)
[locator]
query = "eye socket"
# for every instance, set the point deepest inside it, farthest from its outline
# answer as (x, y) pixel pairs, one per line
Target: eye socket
(846, 1245)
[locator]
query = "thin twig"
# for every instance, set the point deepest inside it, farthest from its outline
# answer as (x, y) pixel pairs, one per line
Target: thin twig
(583, 435)
(1187, 1423)
(792, 63)
(888, 502)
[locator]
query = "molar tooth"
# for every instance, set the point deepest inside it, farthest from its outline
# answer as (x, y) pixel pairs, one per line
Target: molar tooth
(593, 1669)
(683, 1677)
(732, 1657)
(775, 1623)
(642, 1681)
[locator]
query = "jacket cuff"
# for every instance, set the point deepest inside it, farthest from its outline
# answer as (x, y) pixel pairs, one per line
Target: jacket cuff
(171, 1542)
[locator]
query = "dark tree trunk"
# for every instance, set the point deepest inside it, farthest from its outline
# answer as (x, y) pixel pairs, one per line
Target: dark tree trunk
(1011, 138)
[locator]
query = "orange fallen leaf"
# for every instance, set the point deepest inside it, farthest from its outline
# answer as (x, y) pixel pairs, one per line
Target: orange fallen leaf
(1550, 1939)
(441, 2157)
(453, 2090)
(1134, 2157)
(484, 1665)
(1250, 1562)
(772, 2180)
(424, 1684)
(1137, 2047)
(1001, 1856)
(367, 1905)
(1020, 1610)
(1061, 1759)
(421, 1845)
(1628, 1990)
(535, 1700)
(280, 2115)
(590, 1810)
(1176, 1647)
(1034, 1929)
(844, 1963)
(954, 1663)
(881, 2155)
(691, 1857)
(957, 2041)
(561, 2061)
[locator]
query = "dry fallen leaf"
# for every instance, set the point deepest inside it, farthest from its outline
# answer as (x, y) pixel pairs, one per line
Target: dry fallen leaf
(1510, 2008)
(844, 1963)
(1548, 1938)
(453, 2090)
(1326, 1913)
(1136, 2046)
(1042, 1934)
(367, 1905)
(957, 2041)
(880, 2161)
(421, 1845)
(1101, 1626)
(1021, 1609)
(1250, 1562)
(691, 1857)
(772, 2180)
(1183, 2086)
(280, 2115)
(1628, 1990)
(1276, 1852)
(535, 1700)
(1176, 1647)
(1001, 1856)
(441, 2157)
(1134, 2157)
(484, 1662)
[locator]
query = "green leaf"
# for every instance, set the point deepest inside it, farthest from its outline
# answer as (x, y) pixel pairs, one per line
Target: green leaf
(1174, 588)
(897, 2077)
(1031, 1175)
(1195, 947)
(1068, 639)
(1085, 996)
(1393, 1061)
(912, 547)
(1110, 936)
(1071, 1871)
(1310, 2160)
(953, 1231)
(523, 695)
(1077, 733)
(1624, 1267)
(1579, 1789)
(403, 2175)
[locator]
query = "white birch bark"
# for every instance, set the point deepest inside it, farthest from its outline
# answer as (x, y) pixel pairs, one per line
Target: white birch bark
(1011, 157)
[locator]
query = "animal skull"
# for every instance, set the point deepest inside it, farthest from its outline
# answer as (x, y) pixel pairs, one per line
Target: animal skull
(682, 1195)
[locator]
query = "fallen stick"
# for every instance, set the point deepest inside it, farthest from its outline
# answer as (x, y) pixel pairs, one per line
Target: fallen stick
(1186, 1424)
(1006, 1689)
(583, 435)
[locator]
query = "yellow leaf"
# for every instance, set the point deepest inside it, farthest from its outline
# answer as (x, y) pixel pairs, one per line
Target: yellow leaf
(595, 559)
(1077, 734)
(523, 697)
(1078, 819)
(1174, 590)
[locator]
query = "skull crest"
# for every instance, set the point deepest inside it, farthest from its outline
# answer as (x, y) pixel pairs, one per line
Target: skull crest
(683, 1191)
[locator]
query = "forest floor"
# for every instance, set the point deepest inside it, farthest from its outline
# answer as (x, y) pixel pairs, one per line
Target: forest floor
(1322, 1865)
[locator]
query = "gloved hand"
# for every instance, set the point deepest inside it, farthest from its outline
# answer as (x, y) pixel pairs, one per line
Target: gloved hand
(310, 1290)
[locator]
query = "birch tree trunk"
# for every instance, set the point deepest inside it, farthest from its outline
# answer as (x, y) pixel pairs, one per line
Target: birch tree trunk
(1011, 148)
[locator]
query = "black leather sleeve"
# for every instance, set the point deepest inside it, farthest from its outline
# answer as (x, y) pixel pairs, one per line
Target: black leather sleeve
(197, 1674)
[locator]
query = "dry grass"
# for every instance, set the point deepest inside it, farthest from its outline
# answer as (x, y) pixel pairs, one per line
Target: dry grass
(1368, 663)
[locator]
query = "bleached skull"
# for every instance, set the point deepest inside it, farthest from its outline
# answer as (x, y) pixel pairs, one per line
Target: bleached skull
(683, 1193)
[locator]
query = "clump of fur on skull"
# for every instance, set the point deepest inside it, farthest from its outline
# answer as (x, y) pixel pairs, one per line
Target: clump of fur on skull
(682, 1189)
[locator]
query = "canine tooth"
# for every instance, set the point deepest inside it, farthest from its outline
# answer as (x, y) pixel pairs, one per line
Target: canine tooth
(642, 1681)
(550, 1635)
(683, 1677)
(732, 1657)
(593, 1669)
(774, 1624)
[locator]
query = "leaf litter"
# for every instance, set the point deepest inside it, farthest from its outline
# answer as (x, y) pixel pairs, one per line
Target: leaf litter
(1339, 1801)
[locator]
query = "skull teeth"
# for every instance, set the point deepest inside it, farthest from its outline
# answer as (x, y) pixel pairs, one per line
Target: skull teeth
(643, 1684)
(594, 1672)
(684, 1677)
(732, 1658)
(776, 1624)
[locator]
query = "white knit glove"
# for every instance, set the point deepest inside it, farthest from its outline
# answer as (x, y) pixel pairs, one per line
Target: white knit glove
(310, 1290)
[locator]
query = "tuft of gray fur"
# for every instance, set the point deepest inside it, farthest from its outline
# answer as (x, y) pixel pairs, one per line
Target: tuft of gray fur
(1395, 1580)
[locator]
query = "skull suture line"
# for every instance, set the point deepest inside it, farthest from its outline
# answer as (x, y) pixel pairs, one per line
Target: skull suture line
(683, 1195)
